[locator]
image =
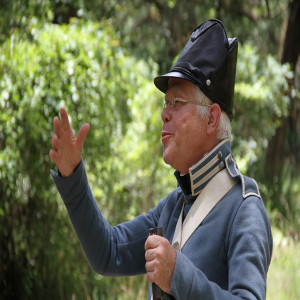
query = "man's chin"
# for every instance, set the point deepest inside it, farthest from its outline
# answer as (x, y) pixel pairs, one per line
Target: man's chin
(167, 159)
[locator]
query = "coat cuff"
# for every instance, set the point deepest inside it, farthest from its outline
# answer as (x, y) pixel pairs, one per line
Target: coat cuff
(182, 277)
(70, 186)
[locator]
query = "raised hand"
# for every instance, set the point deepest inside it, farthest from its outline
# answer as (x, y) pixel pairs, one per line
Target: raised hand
(160, 261)
(66, 147)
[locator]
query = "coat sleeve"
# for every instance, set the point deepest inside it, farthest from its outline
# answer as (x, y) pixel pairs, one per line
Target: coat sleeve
(248, 256)
(111, 251)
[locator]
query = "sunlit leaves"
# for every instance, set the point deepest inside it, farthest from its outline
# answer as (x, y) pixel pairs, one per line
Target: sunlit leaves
(81, 67)
(260, 102)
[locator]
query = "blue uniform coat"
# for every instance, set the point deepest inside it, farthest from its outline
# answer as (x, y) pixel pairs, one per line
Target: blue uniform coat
(227, 257)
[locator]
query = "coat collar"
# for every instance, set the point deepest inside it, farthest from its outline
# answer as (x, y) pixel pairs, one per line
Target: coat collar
(205, 169)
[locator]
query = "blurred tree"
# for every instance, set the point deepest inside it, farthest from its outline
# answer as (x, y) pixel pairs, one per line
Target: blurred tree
(82, 67)
(283, 155)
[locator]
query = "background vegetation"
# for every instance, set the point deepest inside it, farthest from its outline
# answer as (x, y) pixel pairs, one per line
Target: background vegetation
(98, 59)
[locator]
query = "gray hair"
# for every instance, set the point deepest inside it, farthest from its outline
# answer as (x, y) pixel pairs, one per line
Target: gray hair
(224, 128)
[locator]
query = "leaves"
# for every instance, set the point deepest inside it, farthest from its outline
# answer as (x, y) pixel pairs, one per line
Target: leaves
(81, 67)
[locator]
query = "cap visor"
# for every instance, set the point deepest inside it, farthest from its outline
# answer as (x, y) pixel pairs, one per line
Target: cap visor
(162, 82)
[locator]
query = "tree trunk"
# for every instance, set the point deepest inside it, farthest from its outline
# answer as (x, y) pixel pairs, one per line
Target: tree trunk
(285, 145)
(291, 35)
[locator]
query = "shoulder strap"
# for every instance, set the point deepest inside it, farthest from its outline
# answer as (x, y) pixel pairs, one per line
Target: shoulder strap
(202, 206)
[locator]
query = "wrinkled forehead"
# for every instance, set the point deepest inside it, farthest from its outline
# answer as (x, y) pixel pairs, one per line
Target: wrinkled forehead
(184, 88)
(180, 87)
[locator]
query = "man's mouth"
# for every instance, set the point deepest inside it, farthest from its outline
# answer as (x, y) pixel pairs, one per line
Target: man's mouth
(165, 135)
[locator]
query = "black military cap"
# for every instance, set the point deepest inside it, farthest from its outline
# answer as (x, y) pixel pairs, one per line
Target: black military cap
(209, 61)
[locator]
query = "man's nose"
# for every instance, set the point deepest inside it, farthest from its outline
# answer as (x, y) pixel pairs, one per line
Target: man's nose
(166, 115)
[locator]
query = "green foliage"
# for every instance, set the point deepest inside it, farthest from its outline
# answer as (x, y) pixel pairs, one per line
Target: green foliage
(284, 274)
(284, 201)
(262, 101)
(260, 104)
(18, 14)
(81, 67)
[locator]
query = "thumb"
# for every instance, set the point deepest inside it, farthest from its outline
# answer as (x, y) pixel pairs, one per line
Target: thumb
(84, 130)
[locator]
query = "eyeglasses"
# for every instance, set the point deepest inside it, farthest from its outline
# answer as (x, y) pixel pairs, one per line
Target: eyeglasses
(172, 103)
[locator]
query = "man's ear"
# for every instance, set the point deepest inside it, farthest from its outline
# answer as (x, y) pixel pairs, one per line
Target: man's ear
(214, 118)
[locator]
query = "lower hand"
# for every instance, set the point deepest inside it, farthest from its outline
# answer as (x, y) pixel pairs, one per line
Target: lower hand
(160, 261)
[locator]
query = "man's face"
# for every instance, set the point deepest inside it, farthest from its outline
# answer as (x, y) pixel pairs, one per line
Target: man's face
(184, 131)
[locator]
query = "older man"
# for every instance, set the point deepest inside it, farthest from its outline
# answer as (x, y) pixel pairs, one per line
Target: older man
(217, 240)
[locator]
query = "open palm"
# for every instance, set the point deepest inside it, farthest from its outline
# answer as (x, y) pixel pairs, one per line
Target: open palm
(66, 147)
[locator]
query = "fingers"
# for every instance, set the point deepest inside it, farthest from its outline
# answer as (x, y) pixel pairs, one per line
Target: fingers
(150, 254)
(150, 268)
(57, 127)
(66, 147)
(65, 120)
(55, 142)
(53, 152)
(160, 261)
(53, 155)
(84, 130)
(152, 264)
(153, 241)
(63, 125)
(153, 256)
